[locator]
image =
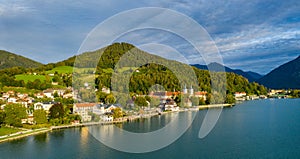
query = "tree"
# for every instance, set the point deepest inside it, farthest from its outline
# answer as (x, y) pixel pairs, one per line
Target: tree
(117, 113)
(56, 111)
(154, 102)
(40, 116)
(101, 96)
(140, 101)
(14, 114)
(229, 99)
(148, 98)
(195, 101)
(55, 94)
(2, 117)
(110, 99)
(201, 101)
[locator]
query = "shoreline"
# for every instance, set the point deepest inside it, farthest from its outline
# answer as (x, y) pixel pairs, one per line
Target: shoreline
(27, 133)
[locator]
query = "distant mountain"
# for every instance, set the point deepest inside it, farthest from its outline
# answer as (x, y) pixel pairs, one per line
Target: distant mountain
(284, 77)
(251, 76)
(8, 60)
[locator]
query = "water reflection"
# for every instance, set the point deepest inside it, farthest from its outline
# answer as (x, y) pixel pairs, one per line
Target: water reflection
(58, 134)
(19, 141)
(41, 138)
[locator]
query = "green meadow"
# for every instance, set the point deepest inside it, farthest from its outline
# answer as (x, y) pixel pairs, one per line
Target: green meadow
(7, 131)
(26, 77)
(60, 69)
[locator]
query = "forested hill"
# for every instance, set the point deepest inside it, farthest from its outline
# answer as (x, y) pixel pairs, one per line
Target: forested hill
(146, 70)
(9, 60)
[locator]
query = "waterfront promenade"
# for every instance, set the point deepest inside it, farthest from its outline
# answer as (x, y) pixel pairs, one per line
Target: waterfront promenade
(29, 132)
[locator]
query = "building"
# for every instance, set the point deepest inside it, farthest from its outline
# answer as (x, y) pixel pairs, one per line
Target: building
(85, 117)
(201, 94)
(170, 105)
(45, 105)
(83, 107)
(107, 117)
(239, 94)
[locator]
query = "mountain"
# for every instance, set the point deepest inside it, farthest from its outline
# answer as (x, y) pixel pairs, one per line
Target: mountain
(251, 76)
(284, 77)
(123, 66)
(9, 60)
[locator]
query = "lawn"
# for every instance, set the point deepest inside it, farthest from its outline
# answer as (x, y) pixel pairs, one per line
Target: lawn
(6, 131)
(26, 77)
(61, 69)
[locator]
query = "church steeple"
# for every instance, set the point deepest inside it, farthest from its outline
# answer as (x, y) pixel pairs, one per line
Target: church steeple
(185, 91)
(191, 90)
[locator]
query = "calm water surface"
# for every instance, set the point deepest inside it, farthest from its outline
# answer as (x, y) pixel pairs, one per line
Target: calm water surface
(253, 129)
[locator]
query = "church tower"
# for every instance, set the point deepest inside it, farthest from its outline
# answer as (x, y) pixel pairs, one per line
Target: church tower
(185, 91)
(191, 91)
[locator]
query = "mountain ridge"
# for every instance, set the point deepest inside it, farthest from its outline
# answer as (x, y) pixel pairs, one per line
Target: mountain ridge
(251, 76)
(285, 76)
(9, 60)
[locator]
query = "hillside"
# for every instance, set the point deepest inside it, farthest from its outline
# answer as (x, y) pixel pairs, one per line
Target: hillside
(284, 77)
(251, 76)
(125, 59)
(9, 60)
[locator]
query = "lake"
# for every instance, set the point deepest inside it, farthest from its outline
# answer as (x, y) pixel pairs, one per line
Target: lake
(253, 129)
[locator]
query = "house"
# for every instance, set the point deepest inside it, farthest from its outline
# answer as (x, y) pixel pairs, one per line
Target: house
(40, 95)
(20, 95)
(12, 100)
(109, 108)
(98, 109)
(85, 117)
(239, 94)
(107, 117)
(45, 105)
(170, 105)
(5, 96)
(28, 120)
(68, 95)
(201, 94)
(105, 90)
(48, 93)
(83, 107)
(163, 95)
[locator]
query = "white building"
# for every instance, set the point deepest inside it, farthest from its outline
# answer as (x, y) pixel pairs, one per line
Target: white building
(12, 100)
(85, 117)
(239, 94)
(83, 107)
(46, 106)
(170, 105)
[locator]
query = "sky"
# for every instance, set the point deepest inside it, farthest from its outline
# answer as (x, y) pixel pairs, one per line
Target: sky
(256, 35)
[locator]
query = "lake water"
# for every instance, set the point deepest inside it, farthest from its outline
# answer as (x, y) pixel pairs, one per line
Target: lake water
(253, 129)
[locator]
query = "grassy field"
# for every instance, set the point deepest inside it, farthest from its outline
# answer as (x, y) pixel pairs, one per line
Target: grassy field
(6, 131)
(61, 69)
(31, 78)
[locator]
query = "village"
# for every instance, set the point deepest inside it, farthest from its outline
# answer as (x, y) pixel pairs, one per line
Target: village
(105, 112)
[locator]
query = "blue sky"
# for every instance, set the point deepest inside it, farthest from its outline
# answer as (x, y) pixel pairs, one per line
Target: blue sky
(256, 35)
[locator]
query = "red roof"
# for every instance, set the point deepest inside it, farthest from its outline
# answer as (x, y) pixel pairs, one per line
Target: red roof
(85, 104)
(200, 93)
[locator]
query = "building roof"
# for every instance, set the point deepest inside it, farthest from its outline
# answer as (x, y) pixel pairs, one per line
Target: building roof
(200, 93)
(85, 104)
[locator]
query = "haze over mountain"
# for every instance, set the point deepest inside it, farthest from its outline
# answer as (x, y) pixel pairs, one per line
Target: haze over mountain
(284, 77)
(9, 60)
(251, 76)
